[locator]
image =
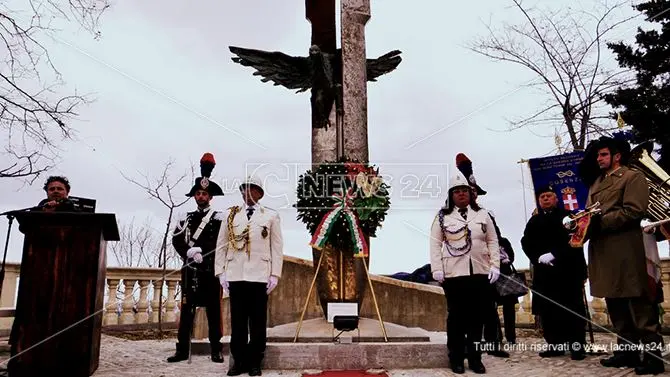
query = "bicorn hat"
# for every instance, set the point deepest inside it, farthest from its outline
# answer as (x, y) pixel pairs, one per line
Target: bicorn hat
(464, 165)
(203, 182)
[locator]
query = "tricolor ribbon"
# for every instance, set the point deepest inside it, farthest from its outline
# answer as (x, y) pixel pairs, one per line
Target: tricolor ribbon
(342, 206)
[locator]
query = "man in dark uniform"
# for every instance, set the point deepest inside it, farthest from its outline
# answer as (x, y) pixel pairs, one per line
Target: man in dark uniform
(195, 240)
(558, 279)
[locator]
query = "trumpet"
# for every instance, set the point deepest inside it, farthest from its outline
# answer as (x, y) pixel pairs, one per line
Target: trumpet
(569, 222)
(648, 226)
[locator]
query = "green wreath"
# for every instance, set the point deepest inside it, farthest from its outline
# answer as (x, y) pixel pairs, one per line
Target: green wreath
(316, 191)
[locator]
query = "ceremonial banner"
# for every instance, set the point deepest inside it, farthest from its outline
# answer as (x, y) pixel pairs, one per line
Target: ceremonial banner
(561, 173)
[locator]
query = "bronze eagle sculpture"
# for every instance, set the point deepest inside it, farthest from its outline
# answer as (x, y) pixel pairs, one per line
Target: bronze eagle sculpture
(319, 71)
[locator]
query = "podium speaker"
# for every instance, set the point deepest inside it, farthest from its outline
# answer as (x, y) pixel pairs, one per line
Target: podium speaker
(58, 322)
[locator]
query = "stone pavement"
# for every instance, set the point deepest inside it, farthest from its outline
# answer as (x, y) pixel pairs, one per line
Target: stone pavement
(120, 357)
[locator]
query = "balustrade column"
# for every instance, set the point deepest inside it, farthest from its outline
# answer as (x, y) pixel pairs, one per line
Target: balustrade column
(155, 302)
(170, 303)
(143, 303)
(111, 316)
(127, 315)
(665, 305)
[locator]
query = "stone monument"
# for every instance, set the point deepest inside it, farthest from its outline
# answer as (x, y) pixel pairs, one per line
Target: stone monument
(338, 80)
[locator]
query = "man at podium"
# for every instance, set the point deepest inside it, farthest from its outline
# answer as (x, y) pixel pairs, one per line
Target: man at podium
(58, 190)
(195, 240)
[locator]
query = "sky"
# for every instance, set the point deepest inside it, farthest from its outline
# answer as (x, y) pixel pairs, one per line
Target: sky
(165, 88)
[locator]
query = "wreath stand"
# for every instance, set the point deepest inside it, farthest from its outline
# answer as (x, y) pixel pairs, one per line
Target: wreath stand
(339, 132)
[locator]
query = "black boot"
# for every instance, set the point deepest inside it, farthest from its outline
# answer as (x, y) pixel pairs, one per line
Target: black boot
(180, 355)
(476, 366)
(457, 366)
(627, 359)
(652, 363)
(215, 349)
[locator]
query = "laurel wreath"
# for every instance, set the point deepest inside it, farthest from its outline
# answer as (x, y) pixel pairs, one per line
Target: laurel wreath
(317, 187)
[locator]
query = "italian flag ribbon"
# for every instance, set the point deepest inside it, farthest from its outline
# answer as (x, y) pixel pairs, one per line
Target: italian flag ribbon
(342, 206)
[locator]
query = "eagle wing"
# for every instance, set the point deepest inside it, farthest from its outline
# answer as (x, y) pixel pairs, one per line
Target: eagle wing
(288, 71)
(383, 64)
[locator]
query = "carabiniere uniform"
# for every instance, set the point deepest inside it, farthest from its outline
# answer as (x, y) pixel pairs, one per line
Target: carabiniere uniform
(199, 286)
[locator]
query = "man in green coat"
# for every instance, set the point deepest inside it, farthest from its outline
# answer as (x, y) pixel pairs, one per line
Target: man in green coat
(617, 264)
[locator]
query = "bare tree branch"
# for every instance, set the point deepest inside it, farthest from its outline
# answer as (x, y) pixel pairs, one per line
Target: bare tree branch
(140, 246)
(563, 48)
(34, 117)
(162, 189)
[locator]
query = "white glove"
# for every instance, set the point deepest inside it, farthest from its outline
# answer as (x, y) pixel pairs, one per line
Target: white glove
(506, 260)
(224, 282)
(193, 251)
(547, 259)
(438, 276)
(272, 283)
(197, 257)
(494, 274)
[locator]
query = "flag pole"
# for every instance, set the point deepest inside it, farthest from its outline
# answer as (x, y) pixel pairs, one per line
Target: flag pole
(523, 184)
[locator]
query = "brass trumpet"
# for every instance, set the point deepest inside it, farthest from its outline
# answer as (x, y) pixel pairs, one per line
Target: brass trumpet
(647, 226)
(569, 222)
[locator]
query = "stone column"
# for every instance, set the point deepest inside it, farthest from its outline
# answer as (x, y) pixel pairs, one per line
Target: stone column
(111, 315)
(142, 315)
(355, 14)
(321, 15)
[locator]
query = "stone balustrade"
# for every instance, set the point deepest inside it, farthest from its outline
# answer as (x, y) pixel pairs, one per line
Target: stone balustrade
(132, 300)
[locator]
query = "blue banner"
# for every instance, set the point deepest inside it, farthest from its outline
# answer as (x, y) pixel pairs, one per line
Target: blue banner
(561, 173)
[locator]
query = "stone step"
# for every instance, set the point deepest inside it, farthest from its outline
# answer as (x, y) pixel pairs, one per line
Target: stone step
(352, 356)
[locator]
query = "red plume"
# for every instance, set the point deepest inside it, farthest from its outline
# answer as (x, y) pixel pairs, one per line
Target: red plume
(207, 164)
(461, 158)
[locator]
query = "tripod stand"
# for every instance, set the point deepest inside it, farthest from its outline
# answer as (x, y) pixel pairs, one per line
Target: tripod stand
(309, 294)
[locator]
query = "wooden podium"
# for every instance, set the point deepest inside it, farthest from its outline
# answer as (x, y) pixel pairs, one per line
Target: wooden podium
(58, 320)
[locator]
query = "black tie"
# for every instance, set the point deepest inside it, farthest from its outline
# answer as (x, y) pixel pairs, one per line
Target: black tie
(250, 211)
(463, 212)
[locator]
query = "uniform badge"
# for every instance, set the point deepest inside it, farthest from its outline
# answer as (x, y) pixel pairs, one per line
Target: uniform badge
(204, 182)
(484, 228)
(264, 232)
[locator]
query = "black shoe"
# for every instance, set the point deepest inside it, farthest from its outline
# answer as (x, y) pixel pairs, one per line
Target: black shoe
(477, 366)
(552, 353)
(457, 367)
(619, 360)
(498, 353)
(255, 371)
(652, 363)
(217, 357)
(578, 355)
(180, 355)
(236, 370)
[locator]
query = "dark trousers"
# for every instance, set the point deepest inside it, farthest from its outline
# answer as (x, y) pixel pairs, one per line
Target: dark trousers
(562, 328)
(248, 318)
(211, 299)
(467, 303)
(493, 329)
(635, 320)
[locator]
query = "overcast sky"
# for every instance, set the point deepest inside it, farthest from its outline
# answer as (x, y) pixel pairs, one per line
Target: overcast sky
(165, 87)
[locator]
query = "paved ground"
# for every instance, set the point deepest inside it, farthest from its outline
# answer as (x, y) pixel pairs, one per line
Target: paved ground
(120, 357)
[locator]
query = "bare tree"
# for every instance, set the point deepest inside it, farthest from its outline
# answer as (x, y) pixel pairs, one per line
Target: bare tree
(33, 117)
(162, 189)
(140, 246)
(564, 49)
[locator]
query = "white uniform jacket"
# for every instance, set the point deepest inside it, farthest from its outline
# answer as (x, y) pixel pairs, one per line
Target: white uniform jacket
(483, 251)
(266, 244)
